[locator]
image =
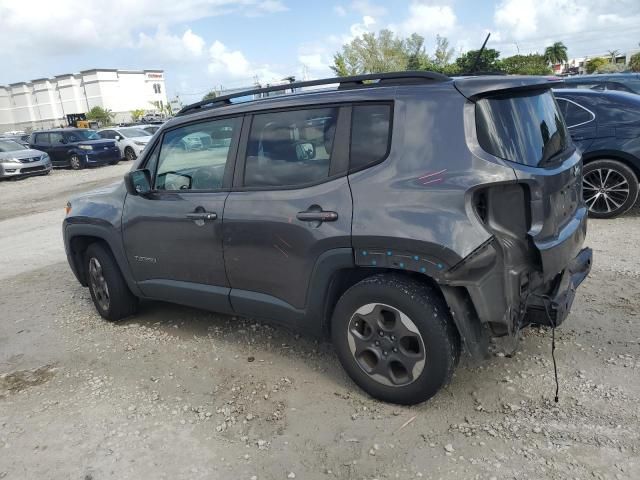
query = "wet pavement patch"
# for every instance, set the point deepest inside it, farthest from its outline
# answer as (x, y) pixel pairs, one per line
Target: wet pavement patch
(19, 380)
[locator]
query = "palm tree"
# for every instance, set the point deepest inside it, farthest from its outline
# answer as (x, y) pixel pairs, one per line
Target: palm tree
(613, 54)
(556, 53)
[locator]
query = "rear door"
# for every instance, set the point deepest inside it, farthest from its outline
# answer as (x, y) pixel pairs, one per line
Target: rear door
(40, 141)
(173, 236)
(291, 203)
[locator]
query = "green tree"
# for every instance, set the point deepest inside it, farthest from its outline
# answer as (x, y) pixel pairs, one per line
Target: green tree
(593, 64)
(556, 53)
(137, 114)
(488, 61)
(102, 115)
(443, 54)
(417, 58)
(211, 94)
(532, 64)
(634, 62)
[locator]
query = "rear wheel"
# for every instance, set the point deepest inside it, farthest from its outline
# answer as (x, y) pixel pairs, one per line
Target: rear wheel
(129, 154)
(76, 162)
(109, 291)
(610, 188)
(395, 338)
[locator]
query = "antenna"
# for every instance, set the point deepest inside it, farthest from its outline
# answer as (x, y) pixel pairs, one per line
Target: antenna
(475, 62)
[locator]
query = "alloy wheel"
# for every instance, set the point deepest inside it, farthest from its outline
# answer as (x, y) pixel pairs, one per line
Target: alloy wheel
(98, 284)
(75, 162)
(605, 190)
(386, 344)
(130, 154)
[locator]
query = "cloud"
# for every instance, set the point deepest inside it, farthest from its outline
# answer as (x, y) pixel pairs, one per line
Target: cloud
(585, 26)
(427, 19)
(340, 10)
(366, 8)
(227, 65)
(170, 47)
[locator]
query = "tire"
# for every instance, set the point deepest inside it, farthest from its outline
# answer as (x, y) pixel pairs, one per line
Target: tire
(114, 162)
(109, 291)
(129, 154)
(387, 365)
(610, 188)
(76, 163)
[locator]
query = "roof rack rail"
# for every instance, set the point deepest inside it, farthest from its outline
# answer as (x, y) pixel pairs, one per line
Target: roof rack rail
(411, 77)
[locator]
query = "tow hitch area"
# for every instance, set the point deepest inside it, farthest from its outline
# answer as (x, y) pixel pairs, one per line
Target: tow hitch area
(551, 308)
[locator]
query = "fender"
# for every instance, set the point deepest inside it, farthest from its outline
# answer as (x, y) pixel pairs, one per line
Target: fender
(72, 228)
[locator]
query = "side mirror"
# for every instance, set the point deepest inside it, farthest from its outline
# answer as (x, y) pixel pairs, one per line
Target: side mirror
(138, 182)
(305, 151)
(118, 138)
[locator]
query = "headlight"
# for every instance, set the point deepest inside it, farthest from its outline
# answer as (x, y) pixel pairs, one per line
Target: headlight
(9, 160)
(44, 157)
(86, 147)
(142, 144)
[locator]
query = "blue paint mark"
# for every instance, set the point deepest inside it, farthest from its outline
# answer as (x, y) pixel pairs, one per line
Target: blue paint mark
(415, 257)
(373, 262)
(401, 265)
(422, 269)
(364, 252)
(440, 266)
(389, 253)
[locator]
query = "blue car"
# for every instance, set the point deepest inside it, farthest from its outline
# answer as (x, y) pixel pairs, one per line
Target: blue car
(75, 147)
(605, 125)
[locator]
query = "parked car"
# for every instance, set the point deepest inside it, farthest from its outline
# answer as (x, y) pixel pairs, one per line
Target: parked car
(153, 117)
(402, 215)
(623, 82)
(75, 147)
(130, 140)
(16, 160)
(606, 127)
(22, 138)
(151, 128)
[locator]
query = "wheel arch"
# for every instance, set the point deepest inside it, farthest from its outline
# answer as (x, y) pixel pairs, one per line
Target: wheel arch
(623, 157)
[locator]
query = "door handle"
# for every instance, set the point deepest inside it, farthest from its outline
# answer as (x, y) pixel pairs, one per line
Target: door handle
(317, 216)
(201, 216)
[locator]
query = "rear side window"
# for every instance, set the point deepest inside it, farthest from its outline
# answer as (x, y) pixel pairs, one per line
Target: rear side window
(370, 135)
(291, 148)
(574, 114)
(41, 138)
(527, 128)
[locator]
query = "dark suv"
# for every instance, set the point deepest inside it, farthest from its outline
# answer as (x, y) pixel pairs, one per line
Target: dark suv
(403, 215)
(75, 147)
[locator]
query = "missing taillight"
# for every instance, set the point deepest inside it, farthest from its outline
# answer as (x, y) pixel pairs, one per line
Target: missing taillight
(481, 206)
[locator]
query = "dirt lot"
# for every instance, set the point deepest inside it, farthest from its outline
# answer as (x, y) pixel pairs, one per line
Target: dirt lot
(179, 393)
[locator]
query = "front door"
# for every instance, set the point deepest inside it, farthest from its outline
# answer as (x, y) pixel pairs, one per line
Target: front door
(173, 235)
(290, 204)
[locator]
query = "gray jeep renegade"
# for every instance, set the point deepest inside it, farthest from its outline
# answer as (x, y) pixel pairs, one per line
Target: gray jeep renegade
(405, 216)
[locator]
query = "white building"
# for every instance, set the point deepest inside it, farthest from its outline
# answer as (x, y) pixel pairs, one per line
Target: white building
(46, 102)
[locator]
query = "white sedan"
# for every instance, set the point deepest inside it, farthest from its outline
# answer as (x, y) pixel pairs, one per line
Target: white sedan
(130, 140)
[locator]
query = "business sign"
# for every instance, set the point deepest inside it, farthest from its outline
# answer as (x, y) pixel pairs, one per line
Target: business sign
(155, 76)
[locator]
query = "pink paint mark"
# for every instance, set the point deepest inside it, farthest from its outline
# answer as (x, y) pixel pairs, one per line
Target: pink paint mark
(435, 180)
(432, 174)
(281, 250)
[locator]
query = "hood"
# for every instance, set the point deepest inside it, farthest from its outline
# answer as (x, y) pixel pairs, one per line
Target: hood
(19, 154)
(98, 192)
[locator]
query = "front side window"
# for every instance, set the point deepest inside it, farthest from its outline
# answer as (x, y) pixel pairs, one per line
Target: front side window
(82, 135)
(194, 157)
(526, 128)
(370, 134)
(56, 138)
(290, 148)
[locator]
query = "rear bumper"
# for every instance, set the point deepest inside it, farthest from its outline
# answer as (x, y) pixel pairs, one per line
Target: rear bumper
(551, 305)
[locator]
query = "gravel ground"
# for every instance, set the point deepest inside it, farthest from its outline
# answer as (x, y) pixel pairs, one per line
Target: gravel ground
(179, 393)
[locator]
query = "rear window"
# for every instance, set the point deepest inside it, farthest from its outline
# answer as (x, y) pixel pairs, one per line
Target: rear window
(527, 128)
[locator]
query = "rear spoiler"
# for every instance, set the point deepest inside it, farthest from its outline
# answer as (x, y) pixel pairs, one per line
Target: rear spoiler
(475, 87)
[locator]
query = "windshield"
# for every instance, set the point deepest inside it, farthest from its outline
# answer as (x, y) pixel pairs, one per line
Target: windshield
(80, 135)
(133, 132)
(527, 128)
(10, 146)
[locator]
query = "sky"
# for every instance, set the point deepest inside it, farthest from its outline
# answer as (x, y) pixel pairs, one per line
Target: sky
(205, 44)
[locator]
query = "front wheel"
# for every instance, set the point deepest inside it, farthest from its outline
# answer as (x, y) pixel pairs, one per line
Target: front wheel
(76, 162)
(609, 187)
(395, 338)
(129, 154)
(109, 291)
